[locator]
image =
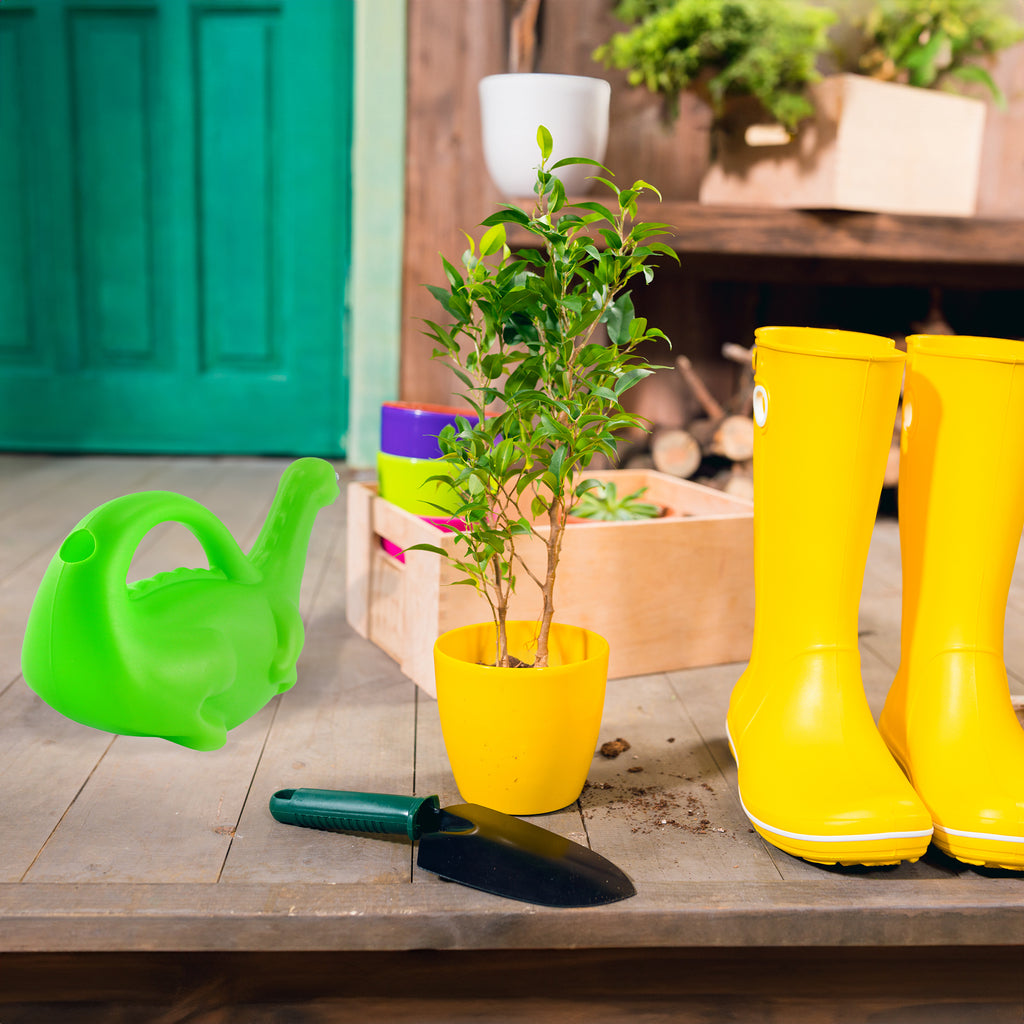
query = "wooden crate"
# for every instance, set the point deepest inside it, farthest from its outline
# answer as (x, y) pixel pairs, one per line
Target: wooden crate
(667, 594)
(874, 146)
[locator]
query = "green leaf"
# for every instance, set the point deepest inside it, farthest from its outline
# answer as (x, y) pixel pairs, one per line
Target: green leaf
(506, 215)
(569, 161)
(454, 277)
(598, 209)
(610, 184)
(973, 73)
(544, 141)
(640, 185)
(628, 379)
(618, 318)
(493, 240)
(433, 548)
(557, 462)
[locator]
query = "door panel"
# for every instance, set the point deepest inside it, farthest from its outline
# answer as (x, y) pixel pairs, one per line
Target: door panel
(174, 209)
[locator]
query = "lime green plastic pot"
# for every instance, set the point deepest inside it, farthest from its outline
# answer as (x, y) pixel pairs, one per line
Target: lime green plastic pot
(407, 483)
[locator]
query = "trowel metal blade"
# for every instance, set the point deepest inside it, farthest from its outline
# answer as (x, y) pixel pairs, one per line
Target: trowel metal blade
(500, 854)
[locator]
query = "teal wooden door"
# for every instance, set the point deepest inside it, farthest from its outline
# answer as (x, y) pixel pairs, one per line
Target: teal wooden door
(174, 224)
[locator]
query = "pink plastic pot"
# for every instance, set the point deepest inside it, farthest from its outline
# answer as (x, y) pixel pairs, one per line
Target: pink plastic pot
(444, 525)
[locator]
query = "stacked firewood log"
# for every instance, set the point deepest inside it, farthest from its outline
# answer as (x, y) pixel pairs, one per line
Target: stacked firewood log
(716, 447)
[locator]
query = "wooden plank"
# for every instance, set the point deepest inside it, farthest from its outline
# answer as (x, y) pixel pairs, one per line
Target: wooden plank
(839, 234)
(154, 812)
(33, 529)
(348, 724)
(25, 478)
(664, 810)
(45, 759)
(360, 543)
(910, 986)
(832, 911)
(451, 46)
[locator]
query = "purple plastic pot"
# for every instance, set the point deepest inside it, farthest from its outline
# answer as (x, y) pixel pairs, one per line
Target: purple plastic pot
(410, 429)
(445, 525)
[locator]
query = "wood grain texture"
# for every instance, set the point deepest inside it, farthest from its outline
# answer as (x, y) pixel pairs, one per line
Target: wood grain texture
(652, 986)
(134, 844)
(833, 910)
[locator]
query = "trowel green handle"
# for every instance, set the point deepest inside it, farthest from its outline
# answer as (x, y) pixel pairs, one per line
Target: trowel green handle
(337, 811)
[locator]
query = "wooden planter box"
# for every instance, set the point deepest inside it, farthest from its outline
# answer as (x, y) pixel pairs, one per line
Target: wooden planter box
(667, 593)
(874, 146)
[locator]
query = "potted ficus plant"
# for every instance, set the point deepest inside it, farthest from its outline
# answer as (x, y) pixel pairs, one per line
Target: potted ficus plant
(881, 135)
(545, 343)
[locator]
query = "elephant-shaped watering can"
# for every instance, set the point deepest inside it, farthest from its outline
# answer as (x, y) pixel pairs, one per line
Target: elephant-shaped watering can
(188, 654)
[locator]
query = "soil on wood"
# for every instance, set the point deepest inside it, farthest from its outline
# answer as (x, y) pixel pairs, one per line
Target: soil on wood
(654, 807)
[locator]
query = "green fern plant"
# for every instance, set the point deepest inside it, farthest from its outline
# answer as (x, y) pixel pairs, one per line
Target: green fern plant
(723, 48)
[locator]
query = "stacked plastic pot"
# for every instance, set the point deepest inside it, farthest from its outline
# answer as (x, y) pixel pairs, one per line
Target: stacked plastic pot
(410, 457)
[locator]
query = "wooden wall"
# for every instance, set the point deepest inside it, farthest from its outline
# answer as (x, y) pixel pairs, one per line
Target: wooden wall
(453, 43)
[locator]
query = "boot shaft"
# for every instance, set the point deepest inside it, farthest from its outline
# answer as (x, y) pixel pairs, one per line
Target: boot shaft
(961, 491)
(825, 408)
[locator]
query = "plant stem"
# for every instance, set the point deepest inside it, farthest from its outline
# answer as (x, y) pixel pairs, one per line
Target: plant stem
(556, 518)
(500, 617)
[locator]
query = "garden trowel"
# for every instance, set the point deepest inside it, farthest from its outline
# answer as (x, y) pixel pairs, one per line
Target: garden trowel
(469, 844)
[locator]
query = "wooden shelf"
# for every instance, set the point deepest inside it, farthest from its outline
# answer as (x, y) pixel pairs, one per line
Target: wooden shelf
(835, 235)
(840, 234)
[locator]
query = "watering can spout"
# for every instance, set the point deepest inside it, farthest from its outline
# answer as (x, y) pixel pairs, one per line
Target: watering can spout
(279, 554)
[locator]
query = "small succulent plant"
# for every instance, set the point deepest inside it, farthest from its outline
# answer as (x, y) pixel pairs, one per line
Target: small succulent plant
(602, 503)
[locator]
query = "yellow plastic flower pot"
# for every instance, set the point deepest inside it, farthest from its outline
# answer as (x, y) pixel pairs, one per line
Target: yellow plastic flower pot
(520, 740)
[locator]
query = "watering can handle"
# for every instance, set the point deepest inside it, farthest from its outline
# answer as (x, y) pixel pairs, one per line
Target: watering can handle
(117, 528)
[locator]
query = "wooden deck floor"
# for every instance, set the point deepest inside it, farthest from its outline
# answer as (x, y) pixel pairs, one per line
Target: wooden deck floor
(111, 846)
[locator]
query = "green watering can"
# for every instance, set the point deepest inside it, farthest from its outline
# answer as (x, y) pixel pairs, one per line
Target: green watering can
(188, 654)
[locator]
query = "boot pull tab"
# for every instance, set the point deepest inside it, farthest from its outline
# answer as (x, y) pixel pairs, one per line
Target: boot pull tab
(908, 416)
(760, 397)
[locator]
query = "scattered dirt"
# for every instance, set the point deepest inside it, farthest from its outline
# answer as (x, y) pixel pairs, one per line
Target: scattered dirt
(635, 768)
(652, 808)
(614, 747)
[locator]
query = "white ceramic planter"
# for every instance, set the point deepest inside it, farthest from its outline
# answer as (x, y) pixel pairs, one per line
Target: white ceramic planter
(573, 108)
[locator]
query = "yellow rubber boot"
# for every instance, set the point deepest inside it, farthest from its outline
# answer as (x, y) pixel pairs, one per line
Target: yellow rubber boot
(815, 777)
(948, 718)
